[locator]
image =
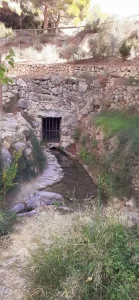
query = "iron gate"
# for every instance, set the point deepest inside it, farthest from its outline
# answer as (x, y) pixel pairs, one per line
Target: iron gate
(51, 129)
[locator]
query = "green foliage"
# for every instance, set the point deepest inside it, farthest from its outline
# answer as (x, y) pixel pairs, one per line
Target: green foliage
(7, 178)
(7, 219)
(76, 134)
(94, 143)
(83, 140)
(114, 122)
(87, 157)
(99, 261)
(124, 49)
(38, 155)
(9, 61)
(28, 168)
(119, 162)
(106, 182)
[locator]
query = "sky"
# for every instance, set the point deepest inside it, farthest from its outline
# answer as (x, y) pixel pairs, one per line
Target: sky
(122, 8)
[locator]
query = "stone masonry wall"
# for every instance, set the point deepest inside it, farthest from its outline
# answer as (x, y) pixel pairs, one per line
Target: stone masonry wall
(70, 98)
(33, 70)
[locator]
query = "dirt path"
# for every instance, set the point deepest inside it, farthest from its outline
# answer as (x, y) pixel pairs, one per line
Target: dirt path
(15, 250)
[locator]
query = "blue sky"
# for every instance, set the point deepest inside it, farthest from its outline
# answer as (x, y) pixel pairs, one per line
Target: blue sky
(123, 8)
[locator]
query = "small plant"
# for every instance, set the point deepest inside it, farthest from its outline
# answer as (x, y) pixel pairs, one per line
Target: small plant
(76, 134)
(105, 183)
(7, 178)
(87, 157)
(83, 140)
(124, 50)
(38, 155)
(83, 153)
(57, 203)
(94, 143)
(7, 219)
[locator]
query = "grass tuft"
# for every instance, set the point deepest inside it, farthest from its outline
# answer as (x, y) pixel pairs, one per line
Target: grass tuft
(114, 122)
(98, 261)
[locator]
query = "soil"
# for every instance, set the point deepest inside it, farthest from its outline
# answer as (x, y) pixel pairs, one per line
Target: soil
(76, 186)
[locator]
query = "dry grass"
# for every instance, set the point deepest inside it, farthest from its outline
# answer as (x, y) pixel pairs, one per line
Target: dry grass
(47, 54)
(96, 261)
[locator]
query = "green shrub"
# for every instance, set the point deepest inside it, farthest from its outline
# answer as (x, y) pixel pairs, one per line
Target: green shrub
(28, 168)
(7, 178)
(38, 156)
(87, 157)
(124, 49)
(94, 143)
(7, 219)
(98, 261)
(83, 140)
(76, 134)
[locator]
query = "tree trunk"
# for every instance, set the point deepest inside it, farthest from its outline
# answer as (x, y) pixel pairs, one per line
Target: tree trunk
(20, 17)
(0, 95)
(57, 23)
(45, 16)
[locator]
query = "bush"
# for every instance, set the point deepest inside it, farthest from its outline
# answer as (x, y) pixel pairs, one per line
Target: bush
(28, 168)
(87, 157)
(68, 52)
(7, 219)
(83, 140)
(7, 178)
(124, 50)
(5, 32)
(99, 261)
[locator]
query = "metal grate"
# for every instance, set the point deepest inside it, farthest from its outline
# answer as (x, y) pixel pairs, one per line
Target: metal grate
(51, 129)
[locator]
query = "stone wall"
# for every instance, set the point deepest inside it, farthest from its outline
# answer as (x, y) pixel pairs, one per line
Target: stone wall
(32, 70)
(70, 98)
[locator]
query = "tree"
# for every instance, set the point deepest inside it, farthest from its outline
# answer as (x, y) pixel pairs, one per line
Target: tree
(4, 79)
(55, 10)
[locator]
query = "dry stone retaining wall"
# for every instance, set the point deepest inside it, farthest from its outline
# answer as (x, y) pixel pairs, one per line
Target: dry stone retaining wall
(32, 70)
(70, 98)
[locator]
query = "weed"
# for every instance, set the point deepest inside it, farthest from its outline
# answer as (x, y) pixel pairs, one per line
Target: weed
(76, 134)
(7, 219)
(98, 261)
(38, 155)
(7, 178)
(87, 157)
(94, 143)
(83, 140)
